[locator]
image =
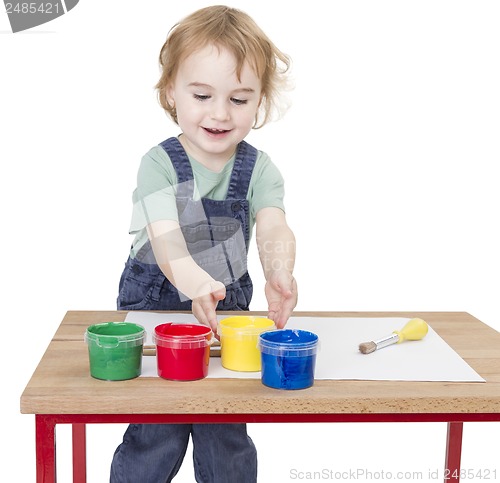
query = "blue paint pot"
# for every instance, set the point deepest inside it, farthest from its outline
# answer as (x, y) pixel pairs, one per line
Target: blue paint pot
(288, 358)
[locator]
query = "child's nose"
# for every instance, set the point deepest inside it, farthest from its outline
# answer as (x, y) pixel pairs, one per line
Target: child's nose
(219, 112)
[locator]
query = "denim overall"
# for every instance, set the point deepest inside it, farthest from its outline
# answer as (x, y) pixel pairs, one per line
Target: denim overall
(217, 235)
(218, 241)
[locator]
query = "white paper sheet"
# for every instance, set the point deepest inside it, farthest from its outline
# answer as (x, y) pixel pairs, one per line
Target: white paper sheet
(338, 358)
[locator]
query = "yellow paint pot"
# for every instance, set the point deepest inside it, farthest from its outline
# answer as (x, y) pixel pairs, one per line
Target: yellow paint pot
(239, 336)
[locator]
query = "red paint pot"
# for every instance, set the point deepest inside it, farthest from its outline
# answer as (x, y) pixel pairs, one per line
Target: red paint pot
(182, 351)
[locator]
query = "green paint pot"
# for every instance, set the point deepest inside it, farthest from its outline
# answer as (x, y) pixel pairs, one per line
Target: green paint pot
(115, 350)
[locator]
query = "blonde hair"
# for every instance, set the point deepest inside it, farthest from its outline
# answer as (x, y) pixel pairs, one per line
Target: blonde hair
(234, 30)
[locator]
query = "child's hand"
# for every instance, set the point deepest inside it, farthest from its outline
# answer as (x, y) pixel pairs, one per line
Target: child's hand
(281, 294)
(204, 305)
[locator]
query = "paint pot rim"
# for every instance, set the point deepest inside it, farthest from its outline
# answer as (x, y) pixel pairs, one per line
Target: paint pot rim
(203, 338)
(96, 334)
(269, 343)
(243, 326)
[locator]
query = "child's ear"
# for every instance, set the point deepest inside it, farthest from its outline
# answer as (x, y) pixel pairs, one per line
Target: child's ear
(169, 93)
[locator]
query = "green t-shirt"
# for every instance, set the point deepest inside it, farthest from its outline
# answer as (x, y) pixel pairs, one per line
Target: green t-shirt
(154, 197)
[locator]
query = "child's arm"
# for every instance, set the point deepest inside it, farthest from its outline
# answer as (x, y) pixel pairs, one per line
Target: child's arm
(276, 244)
(175, 261)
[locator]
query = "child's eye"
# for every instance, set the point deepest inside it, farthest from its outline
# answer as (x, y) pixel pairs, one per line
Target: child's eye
(238, 102)
(201, 97)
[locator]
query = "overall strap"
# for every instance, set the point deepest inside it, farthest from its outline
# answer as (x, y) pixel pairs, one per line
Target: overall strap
(181, 164)
(246, 156)
(244, 163)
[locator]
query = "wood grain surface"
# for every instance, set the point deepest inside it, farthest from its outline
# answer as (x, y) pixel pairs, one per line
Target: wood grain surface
(61, 384)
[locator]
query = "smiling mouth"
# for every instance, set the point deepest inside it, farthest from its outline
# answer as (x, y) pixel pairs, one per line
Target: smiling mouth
(215, 131)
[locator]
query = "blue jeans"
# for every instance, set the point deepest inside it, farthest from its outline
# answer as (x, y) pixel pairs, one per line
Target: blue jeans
(153, 453)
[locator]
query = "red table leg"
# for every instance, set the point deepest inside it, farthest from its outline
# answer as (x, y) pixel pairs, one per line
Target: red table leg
(453, 452)
(45, 449)
(79, 453)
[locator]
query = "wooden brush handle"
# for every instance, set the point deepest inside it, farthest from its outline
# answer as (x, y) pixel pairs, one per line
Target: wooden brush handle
(150, 350)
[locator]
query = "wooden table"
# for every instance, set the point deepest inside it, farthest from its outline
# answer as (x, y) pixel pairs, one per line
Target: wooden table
(61, 390)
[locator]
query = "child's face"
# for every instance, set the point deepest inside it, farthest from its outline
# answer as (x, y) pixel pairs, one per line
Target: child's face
(214, 110)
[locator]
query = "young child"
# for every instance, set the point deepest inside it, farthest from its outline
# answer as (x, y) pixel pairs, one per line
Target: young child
(198, 198)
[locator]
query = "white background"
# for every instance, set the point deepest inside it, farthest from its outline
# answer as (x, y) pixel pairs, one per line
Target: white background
(390, 155)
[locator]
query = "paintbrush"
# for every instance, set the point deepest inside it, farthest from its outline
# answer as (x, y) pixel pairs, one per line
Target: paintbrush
(150, 350)
(415, 329)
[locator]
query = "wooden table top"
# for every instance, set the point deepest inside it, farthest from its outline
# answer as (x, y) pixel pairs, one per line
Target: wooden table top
(61, 384)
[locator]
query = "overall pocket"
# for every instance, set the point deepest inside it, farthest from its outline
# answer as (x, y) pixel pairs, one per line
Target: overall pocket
(138, 285)
(218, 247)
